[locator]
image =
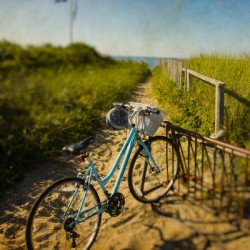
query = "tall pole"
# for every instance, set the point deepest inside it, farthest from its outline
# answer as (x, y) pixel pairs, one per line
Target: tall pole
(70, 21)
(72, 15)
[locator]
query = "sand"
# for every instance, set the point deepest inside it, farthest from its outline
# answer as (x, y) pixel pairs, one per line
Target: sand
(170, 224)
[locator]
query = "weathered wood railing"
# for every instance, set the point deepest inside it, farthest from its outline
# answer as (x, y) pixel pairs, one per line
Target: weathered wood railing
(178, 72)
(219, 97)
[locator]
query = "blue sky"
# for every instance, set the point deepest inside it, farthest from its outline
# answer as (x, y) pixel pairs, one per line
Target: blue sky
(159, 28)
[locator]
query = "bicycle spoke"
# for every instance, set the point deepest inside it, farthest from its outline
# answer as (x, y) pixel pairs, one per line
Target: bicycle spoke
(143, 177)
(46, 229)
(147, 182)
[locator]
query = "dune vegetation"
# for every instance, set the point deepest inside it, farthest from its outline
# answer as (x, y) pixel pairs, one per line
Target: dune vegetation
(195, 110)
(53, 96)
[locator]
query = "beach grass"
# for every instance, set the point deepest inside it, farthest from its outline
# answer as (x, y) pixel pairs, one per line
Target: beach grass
(195, 110)
(50, 97)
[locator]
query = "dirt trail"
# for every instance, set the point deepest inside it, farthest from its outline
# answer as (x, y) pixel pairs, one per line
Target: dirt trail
(172, 224)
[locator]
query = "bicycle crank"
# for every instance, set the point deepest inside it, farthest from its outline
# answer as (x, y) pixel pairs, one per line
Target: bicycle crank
(115, 204)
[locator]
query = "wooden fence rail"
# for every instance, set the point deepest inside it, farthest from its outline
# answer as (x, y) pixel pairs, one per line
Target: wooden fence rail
(174, 69)
(219, 97)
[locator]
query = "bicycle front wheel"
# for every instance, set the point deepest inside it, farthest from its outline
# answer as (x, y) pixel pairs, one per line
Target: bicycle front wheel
(146, 184)
(49, 225)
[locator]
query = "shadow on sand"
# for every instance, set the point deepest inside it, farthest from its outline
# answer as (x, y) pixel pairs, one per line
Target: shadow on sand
(206, 230)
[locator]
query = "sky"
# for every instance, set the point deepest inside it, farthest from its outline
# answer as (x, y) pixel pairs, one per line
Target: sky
(157, 28)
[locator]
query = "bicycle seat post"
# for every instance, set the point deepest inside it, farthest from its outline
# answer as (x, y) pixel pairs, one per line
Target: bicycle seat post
(84, 157)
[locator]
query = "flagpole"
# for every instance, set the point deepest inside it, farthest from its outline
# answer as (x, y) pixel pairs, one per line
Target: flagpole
(70, 22)
(72, 15)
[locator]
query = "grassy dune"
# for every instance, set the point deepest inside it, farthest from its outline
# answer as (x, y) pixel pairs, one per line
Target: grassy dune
(50, 97)
(195, 110)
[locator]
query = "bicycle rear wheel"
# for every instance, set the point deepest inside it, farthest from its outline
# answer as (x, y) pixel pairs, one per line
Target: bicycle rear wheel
(145, 184)
(48, 225)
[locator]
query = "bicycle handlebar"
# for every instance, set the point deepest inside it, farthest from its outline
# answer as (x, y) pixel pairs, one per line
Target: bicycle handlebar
(155, 111)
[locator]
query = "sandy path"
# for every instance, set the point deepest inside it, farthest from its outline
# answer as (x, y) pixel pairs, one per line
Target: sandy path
(172, 224)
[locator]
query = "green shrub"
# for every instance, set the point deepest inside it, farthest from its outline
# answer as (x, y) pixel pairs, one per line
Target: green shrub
(53, 97)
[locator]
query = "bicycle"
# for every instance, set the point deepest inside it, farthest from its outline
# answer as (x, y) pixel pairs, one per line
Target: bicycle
(68, 213)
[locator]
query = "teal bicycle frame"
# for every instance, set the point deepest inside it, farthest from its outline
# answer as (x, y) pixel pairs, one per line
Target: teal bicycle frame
(92, 171)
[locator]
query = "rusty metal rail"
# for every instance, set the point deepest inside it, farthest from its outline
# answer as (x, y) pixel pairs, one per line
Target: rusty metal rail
(214, 175)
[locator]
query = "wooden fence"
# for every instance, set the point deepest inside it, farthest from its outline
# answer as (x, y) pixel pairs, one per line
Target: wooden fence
(178, 72)
(174, 69)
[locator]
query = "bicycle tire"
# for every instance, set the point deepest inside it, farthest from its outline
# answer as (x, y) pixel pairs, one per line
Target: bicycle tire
(145, 184)
(117, 118)
(43, 228)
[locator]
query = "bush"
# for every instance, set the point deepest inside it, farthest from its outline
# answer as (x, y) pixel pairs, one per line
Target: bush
(44, 107)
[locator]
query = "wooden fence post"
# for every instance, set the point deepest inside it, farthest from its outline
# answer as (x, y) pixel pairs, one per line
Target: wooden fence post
(219, 108)
(174, 70)
(180, 73)
(189, 80)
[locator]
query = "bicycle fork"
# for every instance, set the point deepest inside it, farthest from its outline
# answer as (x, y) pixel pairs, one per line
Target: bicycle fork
(149, 160)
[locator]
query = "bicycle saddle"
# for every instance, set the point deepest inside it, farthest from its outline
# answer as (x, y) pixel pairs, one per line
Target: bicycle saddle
(79, 147)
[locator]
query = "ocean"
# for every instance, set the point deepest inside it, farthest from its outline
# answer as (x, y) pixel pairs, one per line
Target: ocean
(151, 61)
